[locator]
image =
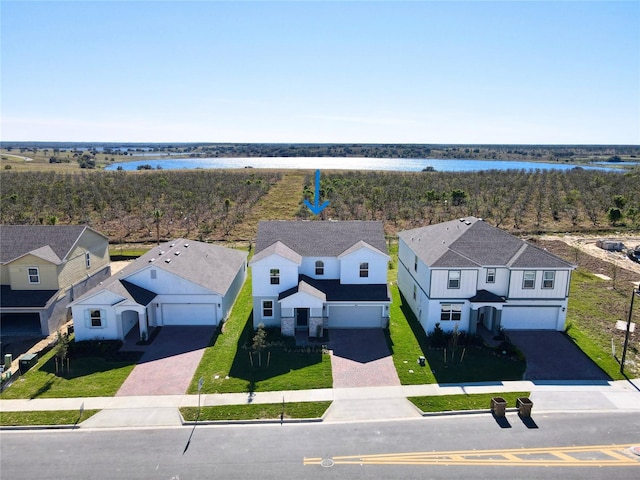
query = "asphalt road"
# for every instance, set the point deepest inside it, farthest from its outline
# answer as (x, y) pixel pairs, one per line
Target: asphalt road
(335, 451)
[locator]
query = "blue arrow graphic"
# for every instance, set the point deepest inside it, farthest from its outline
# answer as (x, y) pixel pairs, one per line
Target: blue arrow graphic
(316, 208)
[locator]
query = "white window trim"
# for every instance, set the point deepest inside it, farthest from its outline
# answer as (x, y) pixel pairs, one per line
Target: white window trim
(87, 259)
(491, 272)
(36, 275)
(415, 263)
(274, 276)
(552, 279)
(449, 279)
(89, 318)
(364, 269)
(524, 279)
(272, 309)
(452, 307)
(319, 268)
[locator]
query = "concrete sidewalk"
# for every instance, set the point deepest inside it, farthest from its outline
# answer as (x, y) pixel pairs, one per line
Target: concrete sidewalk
(349, 404)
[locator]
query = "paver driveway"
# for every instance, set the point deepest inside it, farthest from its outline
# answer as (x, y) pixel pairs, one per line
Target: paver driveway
(169, 362)
(552, 356)
(361, 358)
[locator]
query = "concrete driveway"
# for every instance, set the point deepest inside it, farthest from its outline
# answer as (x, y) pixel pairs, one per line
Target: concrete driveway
(552, 356)
(361, 358)
(169, 362)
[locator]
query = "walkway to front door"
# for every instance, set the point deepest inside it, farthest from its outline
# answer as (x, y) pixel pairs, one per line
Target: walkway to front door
(361, 358)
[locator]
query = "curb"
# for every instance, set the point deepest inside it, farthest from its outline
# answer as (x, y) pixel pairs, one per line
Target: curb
(39, 427)
(252, 422)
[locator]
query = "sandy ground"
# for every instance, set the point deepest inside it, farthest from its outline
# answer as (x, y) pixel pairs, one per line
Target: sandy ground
(588, 245)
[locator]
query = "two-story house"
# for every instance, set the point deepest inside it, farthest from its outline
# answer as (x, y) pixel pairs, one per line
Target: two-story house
(43, 268)
(466, 272)
(312, 275)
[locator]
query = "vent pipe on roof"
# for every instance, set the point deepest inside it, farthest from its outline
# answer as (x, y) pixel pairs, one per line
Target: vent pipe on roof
(168, 260)
(177, 253)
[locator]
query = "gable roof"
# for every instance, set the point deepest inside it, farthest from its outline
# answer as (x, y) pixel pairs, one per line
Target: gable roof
(334, 291)
(323, 238)
(50, 242)
(280, 249)
(210, 266)
(470, 242)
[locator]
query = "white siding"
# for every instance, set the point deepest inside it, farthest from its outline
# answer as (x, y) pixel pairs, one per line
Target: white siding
(257, 312)
(165, 282)
(559, 289)
(331, 267)
(261, 280)
(431, 316)
(500, 286)
(350, 267)
(440, 281)
(231, 294)
(406, 256)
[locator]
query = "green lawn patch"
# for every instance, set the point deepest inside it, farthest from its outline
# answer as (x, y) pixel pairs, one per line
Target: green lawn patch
(268, 411)
(95, 371)
(591, 304)
(409, 341)
(50, 417)
(474, 401)
(226, 366)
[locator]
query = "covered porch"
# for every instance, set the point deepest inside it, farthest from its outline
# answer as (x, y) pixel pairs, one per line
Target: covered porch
(486, 312)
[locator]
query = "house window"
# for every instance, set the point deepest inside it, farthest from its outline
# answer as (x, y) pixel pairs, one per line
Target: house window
(319, 267)
(454, 279)
(415, 292)
(34, 275)
(548, 279)
(274, 274)
(529, 279)
(87, 259)
(96, 318)
(154, 274)
(364, 270)
(491, 275)
(450, 312)
(267, 309)
(415, 263)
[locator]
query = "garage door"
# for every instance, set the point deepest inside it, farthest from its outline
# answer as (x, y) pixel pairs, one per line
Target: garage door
(189, 314)
(529, 318)
(355, 317)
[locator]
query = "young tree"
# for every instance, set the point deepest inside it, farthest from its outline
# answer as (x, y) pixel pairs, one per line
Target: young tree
(259, 342)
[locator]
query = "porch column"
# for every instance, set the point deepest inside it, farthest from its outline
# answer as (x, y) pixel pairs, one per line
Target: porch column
(473, 321)
(142, 324)
(497, 320)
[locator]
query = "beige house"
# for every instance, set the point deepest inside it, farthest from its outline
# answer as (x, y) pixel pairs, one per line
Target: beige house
(42, 269)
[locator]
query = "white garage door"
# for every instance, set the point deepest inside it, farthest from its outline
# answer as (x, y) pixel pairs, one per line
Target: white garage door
(355, 317)
(529, 318)
(189, 314)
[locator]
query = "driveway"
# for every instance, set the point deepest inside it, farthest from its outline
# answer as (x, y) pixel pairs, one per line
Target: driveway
(361, 358)
(552, 356)
(169, 362)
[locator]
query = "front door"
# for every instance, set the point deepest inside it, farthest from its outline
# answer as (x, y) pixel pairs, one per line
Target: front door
(302, 317)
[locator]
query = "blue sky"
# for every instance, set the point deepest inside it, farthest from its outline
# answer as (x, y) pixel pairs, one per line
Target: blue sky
(369, 71)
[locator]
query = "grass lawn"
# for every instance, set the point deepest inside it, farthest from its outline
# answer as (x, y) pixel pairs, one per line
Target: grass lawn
(89, 376)
(267, 411)
(474, 401)
(591, 301)
(51, 417)
(226, 357)
(409, 341)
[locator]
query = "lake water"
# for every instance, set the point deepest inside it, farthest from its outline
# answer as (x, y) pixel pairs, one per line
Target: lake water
(348, 163)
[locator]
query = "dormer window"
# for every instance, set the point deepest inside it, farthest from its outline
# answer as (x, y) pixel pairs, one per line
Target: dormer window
(319, 267)
(274, 275)
(364, 270)
(454, 279)
(34, 275)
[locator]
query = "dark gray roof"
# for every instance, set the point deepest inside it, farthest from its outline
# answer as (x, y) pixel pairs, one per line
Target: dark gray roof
(337, 292)
(204, 264)
(51, 242)
(471, 242)
(25, 298)
(320, 238)
(485, 296)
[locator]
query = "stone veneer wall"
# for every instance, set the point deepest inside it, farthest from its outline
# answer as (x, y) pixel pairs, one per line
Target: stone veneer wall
(314, 322)
(288, 326)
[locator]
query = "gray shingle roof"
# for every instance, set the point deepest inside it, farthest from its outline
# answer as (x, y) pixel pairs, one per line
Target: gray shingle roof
(320, 238)
(51, 242)
(207, 265)
(471, 242)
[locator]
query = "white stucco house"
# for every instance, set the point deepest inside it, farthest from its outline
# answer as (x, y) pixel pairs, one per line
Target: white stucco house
(182, 282)
(466, 272)
(308, 276)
